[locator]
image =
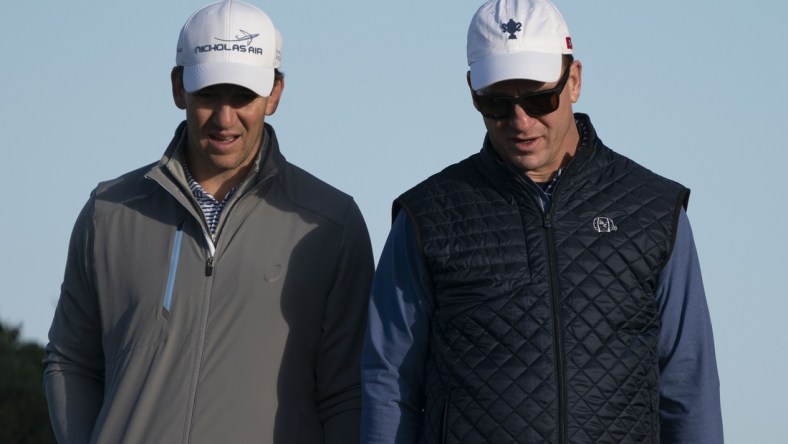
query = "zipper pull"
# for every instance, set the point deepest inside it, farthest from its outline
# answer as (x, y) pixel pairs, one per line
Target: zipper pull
(547, 223)
(209, 266)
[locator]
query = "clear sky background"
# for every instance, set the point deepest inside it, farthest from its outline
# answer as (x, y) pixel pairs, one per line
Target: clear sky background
(376, 101)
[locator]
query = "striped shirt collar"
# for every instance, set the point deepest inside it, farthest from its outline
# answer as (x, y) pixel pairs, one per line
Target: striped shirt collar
(211, 208)
(546, 190)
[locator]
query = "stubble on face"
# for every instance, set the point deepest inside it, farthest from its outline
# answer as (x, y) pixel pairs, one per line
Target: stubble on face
(225, 132)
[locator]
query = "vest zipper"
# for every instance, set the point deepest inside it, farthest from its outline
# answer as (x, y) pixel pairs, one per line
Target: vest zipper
(555, 293)
(558, 336)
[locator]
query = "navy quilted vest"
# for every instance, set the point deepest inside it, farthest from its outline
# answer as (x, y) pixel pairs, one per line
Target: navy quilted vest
(545, 326)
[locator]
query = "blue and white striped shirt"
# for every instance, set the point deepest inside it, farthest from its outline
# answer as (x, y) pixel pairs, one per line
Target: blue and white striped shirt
(211, 208)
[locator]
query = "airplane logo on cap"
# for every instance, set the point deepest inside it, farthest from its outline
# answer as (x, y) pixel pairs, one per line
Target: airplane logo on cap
(241, 38)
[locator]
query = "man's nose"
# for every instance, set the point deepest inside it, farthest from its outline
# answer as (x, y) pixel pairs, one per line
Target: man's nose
(224, 114)
(519, 117)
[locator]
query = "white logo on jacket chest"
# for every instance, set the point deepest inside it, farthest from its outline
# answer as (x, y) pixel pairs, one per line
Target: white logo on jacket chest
(604, 225)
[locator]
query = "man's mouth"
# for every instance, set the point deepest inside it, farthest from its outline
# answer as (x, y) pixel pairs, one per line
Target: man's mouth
(222, 139)
(525, 140)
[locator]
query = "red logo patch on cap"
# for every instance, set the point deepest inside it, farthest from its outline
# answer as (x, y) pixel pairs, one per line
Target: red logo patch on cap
(569, 43)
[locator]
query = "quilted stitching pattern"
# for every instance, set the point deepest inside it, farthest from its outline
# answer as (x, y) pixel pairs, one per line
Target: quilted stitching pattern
(492, 376)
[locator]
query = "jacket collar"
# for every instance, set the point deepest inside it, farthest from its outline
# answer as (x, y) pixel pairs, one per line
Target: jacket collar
(268, 163)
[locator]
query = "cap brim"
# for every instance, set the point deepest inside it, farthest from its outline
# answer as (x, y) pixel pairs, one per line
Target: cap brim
(259, 80)
(528, 65)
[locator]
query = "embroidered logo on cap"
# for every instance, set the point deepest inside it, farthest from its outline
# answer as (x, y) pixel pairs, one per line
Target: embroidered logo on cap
(512, 28)
(242, 38)
(604, 225)
(246, 38)
(569, 43)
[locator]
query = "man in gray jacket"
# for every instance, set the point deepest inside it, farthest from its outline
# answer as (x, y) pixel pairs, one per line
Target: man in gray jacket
(218, 295)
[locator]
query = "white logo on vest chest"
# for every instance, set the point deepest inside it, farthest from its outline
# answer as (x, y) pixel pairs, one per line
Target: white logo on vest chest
(604, 225)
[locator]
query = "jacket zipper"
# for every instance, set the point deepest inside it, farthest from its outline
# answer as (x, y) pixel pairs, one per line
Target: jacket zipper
(202, 329)
(209, 267)
(211, 252)
(197, 362)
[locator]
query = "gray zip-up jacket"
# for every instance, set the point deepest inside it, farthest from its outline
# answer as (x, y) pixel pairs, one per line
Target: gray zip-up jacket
(161, 336)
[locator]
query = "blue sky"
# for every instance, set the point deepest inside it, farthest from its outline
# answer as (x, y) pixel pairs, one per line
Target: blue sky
(376, 100)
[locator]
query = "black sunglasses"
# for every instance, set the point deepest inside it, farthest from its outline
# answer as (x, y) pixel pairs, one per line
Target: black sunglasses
(535, 104)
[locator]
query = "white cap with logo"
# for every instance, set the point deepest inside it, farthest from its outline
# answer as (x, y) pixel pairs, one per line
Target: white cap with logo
(229, 42)
(516, 39)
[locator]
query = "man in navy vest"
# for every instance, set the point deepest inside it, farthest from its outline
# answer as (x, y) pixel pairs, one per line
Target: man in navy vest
(545, 289)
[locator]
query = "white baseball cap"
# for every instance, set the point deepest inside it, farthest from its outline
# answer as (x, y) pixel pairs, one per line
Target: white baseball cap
(229, 42)
(516, 39)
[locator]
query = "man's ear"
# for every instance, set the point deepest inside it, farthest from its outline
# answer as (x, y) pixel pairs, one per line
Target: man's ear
(275, 96)
(575, 82)
(178, 93)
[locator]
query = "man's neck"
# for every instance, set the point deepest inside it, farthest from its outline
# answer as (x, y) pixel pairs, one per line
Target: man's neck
(569, 144)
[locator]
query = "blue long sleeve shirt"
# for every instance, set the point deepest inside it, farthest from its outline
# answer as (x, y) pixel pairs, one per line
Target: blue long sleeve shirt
(397, 341)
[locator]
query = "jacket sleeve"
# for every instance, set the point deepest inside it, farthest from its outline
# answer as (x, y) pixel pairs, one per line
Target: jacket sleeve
(74, 373)
(396, 343)
(344, 320)
(689, 384)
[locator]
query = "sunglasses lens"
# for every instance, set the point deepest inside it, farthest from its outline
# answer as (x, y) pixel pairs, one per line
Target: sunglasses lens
(540, 104)
(494, 107)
